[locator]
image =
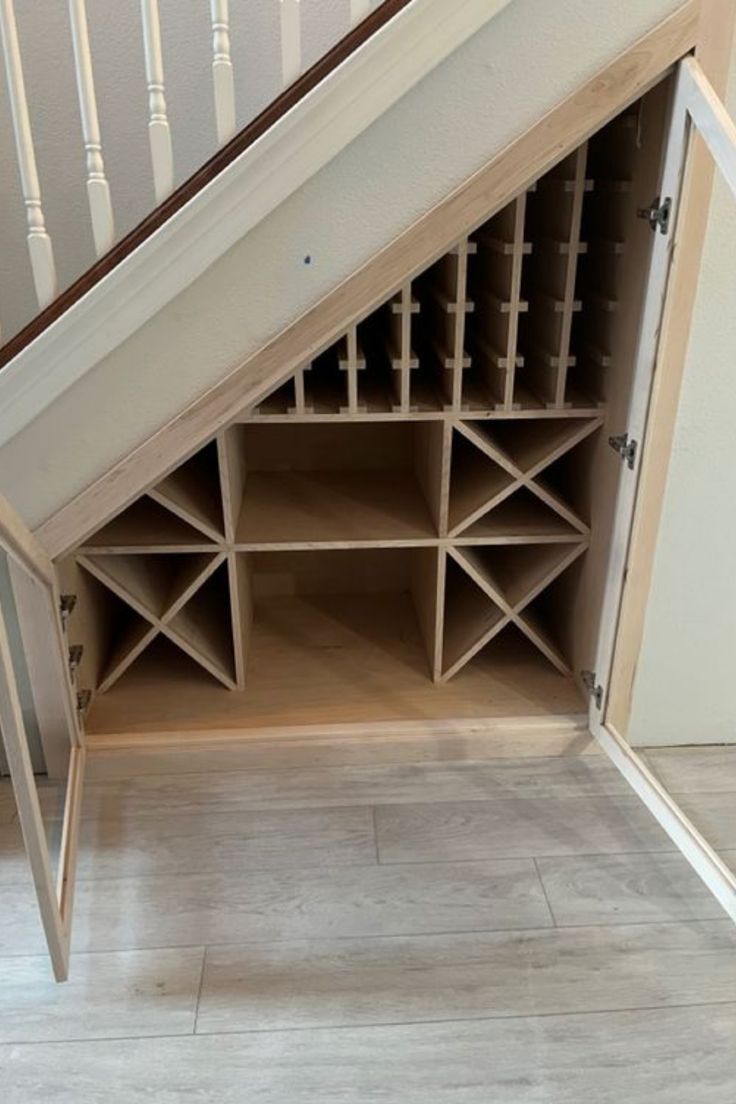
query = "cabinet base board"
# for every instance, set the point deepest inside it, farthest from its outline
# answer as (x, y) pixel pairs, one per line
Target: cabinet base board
(125, 755)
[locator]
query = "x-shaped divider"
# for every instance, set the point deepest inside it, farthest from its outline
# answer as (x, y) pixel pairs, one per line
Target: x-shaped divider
(525, 476)
(470, 560)
(159, 623)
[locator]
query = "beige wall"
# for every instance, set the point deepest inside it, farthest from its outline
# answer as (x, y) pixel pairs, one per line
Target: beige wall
(117, 51)
(686, 678)
(494, 87)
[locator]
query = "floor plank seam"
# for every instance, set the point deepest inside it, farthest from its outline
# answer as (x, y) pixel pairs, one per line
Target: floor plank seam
(80, 1041)
(723, 922)
(468, 1019)
(199, 990)
(544, 891)
(375, 835)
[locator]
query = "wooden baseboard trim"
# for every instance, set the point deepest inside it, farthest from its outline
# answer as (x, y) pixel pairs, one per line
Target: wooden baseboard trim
(125, 754)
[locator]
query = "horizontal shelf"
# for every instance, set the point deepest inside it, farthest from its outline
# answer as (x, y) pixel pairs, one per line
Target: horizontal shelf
(329, 507)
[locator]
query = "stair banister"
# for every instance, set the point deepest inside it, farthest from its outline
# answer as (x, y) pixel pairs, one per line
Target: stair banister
(39, 243)
(222, 71)
(159, 131)
(291, 41)
(98, 188)
(359, 9)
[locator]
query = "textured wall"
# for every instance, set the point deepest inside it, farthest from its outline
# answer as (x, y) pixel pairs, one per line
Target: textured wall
(685, 679)
(495, 86)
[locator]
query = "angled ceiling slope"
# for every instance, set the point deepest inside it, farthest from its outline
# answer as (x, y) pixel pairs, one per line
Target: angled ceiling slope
(337, 318)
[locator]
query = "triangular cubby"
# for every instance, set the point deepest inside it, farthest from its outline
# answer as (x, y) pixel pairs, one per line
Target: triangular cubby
(193, 493)
(393, 512)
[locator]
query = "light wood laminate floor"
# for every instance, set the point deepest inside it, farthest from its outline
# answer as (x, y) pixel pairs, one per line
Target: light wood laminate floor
(500, 932)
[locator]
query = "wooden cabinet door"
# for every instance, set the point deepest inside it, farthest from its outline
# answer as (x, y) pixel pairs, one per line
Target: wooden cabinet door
(37, 699)
(696, 110)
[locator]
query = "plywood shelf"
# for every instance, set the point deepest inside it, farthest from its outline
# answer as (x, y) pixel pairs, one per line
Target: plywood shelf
(333, 507)
(402, 515)
(319, 663)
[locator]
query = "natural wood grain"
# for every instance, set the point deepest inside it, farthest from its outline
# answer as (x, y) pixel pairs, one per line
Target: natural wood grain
(332, 508)
(346, 745)
(192, 492)
(325, 660)
(532, 779)
(694, 769)
(147, 526)
(625, 889)
(232, 842)
(466, 977)
(107, 996)
(572, 825)
(665, 1056)
(350, 901)
(713, 814)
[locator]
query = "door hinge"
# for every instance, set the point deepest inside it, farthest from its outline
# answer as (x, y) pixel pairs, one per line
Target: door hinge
(626, 447)
(84, 698)
(591, 684)
(657, 214)
(76, 652)
(67, 602)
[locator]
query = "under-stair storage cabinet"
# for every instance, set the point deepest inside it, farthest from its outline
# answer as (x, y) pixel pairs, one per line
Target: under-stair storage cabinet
(414, 526)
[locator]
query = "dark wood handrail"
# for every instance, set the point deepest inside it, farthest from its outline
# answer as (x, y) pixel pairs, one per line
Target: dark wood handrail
(212, 168)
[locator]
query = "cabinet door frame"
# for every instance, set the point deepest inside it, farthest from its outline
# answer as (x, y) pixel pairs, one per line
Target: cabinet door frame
(697, 114)
(55, 895)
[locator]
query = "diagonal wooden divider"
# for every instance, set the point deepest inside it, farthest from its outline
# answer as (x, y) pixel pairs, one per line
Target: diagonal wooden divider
(519, 459)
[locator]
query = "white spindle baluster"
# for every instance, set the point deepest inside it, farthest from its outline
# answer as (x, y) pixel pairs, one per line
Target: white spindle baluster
(291, 40)
(222, 71)
(159, 133)
(39, 243)
(359, 10)
(98, 189)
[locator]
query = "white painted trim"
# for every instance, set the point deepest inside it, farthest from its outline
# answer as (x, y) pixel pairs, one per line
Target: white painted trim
(707, 864)
(710, 116)
(696, 102)
(365, 86)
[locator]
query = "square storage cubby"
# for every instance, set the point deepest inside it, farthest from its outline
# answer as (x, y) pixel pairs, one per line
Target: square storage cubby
(327, 484)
